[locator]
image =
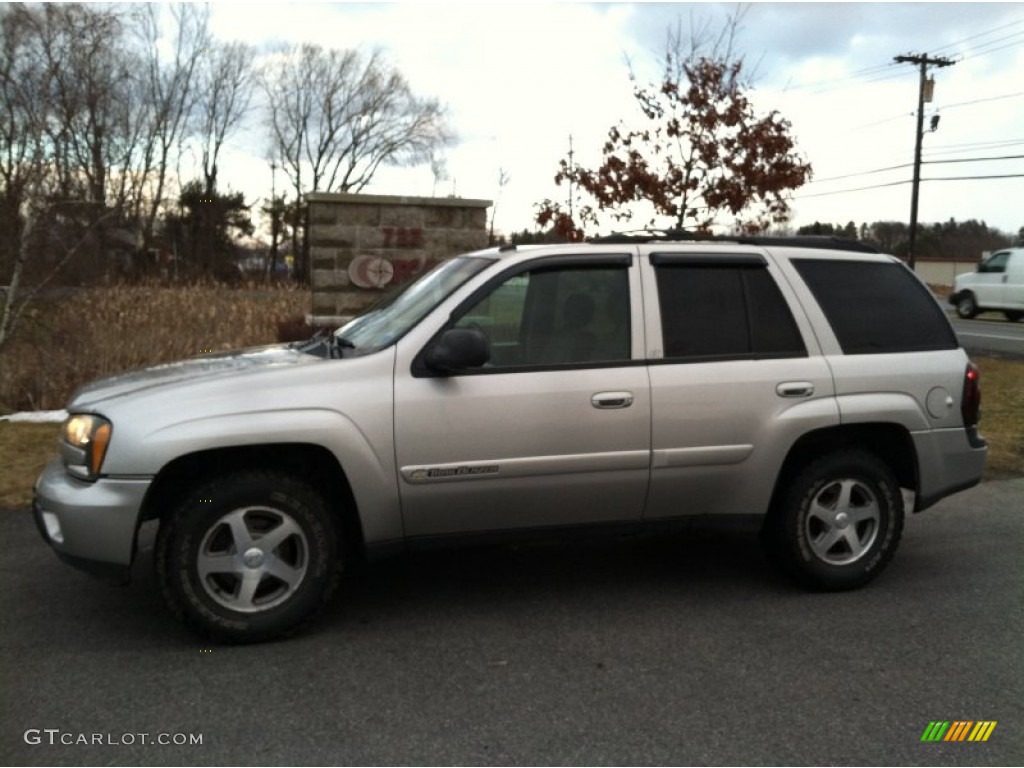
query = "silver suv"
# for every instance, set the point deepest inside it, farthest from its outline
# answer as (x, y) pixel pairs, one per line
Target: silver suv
(624, 382)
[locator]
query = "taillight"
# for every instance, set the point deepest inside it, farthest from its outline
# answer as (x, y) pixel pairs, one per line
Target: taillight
(970, 403)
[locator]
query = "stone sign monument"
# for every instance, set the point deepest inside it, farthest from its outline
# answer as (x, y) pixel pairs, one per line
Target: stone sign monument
(364, 245)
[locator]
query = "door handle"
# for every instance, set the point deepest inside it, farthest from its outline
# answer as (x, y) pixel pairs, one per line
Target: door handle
(610, 400)
(795, 389)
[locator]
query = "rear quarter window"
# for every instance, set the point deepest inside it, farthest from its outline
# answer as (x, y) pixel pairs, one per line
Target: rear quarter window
(877, 307)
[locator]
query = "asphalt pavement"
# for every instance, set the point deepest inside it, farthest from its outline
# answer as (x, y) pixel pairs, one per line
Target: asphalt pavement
(991, 334)
(686, 649)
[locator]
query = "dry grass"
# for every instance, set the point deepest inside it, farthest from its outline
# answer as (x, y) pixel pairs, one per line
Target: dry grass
(1002, 415)
(93, 332)
(25, 449)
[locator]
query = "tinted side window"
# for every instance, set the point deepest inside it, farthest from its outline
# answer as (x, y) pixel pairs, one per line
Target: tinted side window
(876, 307)
(724, 312)
(556, 316)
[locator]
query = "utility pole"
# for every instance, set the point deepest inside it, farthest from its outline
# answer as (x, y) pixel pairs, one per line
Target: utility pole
(275, 220)
(923, 61)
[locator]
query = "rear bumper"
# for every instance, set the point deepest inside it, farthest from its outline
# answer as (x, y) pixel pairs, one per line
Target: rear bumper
(949, 461)
(91, 526)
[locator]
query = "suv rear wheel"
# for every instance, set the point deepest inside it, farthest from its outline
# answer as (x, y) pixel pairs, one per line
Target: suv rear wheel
(248, 557)
(1013, 315)
(839, 523)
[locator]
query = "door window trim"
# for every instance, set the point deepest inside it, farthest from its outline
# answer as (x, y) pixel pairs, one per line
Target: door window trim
(419, 368)
(723, 261)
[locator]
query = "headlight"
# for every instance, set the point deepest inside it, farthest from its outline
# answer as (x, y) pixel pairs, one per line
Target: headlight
(85, 438)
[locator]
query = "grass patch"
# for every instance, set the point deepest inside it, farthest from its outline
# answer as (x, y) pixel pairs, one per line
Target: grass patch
(25, 448)
(1002, 415)
(87, 333)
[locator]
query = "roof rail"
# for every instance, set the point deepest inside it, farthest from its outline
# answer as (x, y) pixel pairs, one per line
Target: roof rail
(683, 235)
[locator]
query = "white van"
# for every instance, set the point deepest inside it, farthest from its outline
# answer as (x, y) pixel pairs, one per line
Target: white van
(997, 285)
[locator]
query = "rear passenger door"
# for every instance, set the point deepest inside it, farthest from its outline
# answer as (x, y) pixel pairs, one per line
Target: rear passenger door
(736, 378)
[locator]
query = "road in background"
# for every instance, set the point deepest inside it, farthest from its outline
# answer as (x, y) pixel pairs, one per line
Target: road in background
(991, 335)
(679, 650)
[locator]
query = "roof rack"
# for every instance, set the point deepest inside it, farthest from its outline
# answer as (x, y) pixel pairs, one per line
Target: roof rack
(682, 235)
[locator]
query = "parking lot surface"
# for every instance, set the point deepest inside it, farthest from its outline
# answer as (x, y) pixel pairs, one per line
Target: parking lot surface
(687, 649)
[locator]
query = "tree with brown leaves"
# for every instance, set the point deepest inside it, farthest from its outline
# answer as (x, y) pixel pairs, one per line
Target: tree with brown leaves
(704, 157)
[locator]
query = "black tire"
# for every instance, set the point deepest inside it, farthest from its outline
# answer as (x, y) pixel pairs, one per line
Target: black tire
(967, 306)
(829, 542)
(1013, 315)
(248, 593)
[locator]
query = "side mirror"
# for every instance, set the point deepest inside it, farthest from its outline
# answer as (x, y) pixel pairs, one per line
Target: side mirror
(457, 350)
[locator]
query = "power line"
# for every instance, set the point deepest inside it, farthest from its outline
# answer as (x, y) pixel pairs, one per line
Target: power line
(854, 189)
(982, 101)
(956, 105)
(1000, 28)
(973, 147)
(910, 181)
(976, 178)
(851, 76)
(979, 144)
(869, 81)
(882, 72)
(908, 165)
(973, 159)
(980, 50)
(894, 118)
(864, 76)
(861, 173)
(996, 50)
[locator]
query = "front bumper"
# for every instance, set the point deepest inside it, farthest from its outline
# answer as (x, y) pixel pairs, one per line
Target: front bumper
(91, 526)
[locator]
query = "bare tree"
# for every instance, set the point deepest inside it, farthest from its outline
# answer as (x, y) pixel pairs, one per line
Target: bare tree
(21, 148)
(58, 135)
(22, 119)
(336, 116)
(69, 127)
(227, 80)
(170, 91)
(86, 98)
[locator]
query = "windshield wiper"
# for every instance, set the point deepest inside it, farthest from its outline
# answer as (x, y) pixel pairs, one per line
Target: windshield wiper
(337, 344)
(323, 343)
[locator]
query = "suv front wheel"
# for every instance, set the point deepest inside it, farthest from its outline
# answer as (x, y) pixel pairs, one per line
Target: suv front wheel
(839, 523)
(248, 557)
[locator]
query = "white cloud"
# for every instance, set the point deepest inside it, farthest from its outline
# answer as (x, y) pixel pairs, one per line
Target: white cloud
(520, 78)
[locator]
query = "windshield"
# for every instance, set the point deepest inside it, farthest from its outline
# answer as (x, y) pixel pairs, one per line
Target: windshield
(391, 317)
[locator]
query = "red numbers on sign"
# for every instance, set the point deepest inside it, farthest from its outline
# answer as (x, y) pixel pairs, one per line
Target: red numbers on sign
(402, 237)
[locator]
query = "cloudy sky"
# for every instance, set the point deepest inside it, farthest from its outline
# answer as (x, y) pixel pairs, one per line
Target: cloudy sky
(519, 79)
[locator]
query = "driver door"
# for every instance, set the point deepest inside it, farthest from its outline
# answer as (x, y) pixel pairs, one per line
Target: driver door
(555, 430)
